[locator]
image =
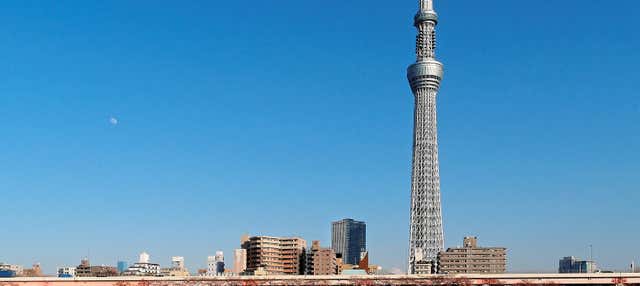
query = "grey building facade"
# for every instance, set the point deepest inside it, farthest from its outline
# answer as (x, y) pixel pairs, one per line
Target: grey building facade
(349, 239)
(571, 264)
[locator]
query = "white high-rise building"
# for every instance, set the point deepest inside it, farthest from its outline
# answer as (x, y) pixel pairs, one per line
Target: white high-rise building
(219, 263)
(211, 266)
(426, 238)
(239, 260)
(144, 257)
(215, 264)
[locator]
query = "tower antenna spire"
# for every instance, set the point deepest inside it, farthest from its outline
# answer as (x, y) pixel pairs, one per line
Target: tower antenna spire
(425, 21)
(426, 5)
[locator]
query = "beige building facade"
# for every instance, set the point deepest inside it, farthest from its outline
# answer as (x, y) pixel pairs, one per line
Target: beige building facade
(472, 259)
(276, 255)
(174, 272)
(321, 261)
(239, 260)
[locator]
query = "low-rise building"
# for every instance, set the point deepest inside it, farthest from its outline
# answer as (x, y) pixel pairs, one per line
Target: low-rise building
(354, 272)
(423, 267)
(34, 271)
(472, 259)
(572, 264)
(342, 267)
(86, 270)
(174, 272)
(375, 269)
(260, 271)
(143, 267)
(177, 268)
(339, 263)
(66, 272)
(17, 269)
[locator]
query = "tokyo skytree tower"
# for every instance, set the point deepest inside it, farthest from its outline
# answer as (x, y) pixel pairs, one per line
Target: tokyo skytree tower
(426, 237)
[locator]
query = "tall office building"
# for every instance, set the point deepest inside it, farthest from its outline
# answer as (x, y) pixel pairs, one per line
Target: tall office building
(349, 239)
(426, 237)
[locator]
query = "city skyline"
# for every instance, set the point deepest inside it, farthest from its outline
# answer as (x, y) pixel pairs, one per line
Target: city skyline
(127, 121)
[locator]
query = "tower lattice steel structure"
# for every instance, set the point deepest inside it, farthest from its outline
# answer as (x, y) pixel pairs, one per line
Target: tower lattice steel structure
(426, 234)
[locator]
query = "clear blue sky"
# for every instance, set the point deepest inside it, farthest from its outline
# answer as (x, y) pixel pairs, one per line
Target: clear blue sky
(277, 117)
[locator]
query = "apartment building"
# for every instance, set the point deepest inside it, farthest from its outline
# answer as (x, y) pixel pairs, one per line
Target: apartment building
(321, 261)
(86, 270)
(472, 259)
(276, 255)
